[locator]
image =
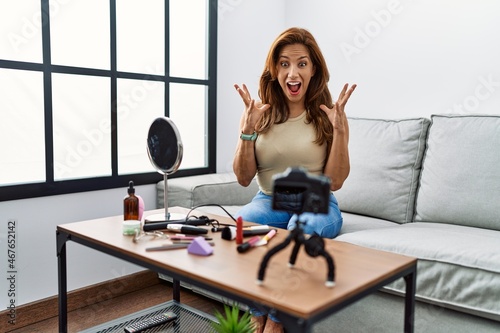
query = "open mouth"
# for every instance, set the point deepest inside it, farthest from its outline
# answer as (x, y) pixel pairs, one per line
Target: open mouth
(294, 87)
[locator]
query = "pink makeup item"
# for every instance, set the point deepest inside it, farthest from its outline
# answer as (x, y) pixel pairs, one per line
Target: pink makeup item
(248, 244)
(266, 238)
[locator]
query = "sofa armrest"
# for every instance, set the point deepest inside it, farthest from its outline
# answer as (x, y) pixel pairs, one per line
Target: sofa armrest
(217, 188)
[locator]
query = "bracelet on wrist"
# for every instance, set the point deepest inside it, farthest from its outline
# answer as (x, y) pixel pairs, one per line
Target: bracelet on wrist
(248, 137)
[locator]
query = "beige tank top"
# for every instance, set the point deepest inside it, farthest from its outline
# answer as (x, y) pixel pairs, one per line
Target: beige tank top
(289, 144)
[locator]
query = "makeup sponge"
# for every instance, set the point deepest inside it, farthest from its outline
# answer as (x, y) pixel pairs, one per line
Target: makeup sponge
(200, 247)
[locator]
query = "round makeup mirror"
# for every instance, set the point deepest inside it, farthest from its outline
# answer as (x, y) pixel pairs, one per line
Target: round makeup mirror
(164, 146)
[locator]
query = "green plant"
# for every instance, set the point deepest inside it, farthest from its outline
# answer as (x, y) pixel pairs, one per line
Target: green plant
(232, 321)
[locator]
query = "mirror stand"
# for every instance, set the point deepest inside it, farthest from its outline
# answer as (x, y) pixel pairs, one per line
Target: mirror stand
(166, 216)
(164, 147)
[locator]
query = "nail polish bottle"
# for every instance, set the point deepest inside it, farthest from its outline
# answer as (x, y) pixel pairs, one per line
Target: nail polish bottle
(131, 204)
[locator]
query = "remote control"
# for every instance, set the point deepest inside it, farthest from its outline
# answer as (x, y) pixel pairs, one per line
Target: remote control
(151, 322)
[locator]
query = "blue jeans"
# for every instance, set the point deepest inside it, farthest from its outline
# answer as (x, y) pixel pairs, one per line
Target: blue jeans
(260, 210)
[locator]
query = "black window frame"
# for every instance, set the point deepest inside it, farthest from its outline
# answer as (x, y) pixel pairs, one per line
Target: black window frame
(51, 187)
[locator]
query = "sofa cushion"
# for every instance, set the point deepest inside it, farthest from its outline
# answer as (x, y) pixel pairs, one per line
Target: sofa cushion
(215, 188)
(460, 180)
(355, 222)
(458, 266)
(385, 160)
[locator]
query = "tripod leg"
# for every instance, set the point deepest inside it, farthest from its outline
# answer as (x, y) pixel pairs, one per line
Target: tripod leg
(269, 254)
(330, 280)
(295, 252)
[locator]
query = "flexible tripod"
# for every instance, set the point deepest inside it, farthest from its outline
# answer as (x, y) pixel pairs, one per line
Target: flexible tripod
(314, 246)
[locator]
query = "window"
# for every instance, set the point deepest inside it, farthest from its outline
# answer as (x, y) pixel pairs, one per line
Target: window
(82, 80)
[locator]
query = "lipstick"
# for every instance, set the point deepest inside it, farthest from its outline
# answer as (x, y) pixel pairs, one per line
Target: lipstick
(239, 230)
(248, 244)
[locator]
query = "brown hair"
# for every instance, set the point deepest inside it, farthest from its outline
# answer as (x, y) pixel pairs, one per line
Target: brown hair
(270, 91)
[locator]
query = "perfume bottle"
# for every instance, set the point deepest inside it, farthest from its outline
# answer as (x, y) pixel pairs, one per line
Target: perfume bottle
(131, 204)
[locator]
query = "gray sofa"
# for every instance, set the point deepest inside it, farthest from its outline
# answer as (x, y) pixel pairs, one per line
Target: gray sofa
(428, 188)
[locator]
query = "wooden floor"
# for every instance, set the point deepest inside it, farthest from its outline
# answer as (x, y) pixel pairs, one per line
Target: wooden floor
(110, 309)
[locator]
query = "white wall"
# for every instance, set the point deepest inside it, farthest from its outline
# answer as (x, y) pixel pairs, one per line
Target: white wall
(409, 58)
(38, 218)
(36, 260)
(246, 29)
(426, 57)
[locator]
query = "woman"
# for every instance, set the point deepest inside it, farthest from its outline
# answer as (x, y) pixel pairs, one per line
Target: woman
(296, 123)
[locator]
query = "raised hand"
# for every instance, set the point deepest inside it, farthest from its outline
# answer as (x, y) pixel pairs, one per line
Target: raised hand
(253, 109)
(337, 114)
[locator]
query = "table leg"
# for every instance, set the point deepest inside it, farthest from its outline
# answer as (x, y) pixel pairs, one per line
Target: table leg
(61, 239)
(176, 286)
(293, 324)
(411, 283)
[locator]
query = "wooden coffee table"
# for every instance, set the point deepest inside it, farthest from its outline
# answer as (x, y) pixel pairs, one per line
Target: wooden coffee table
(298, 296)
